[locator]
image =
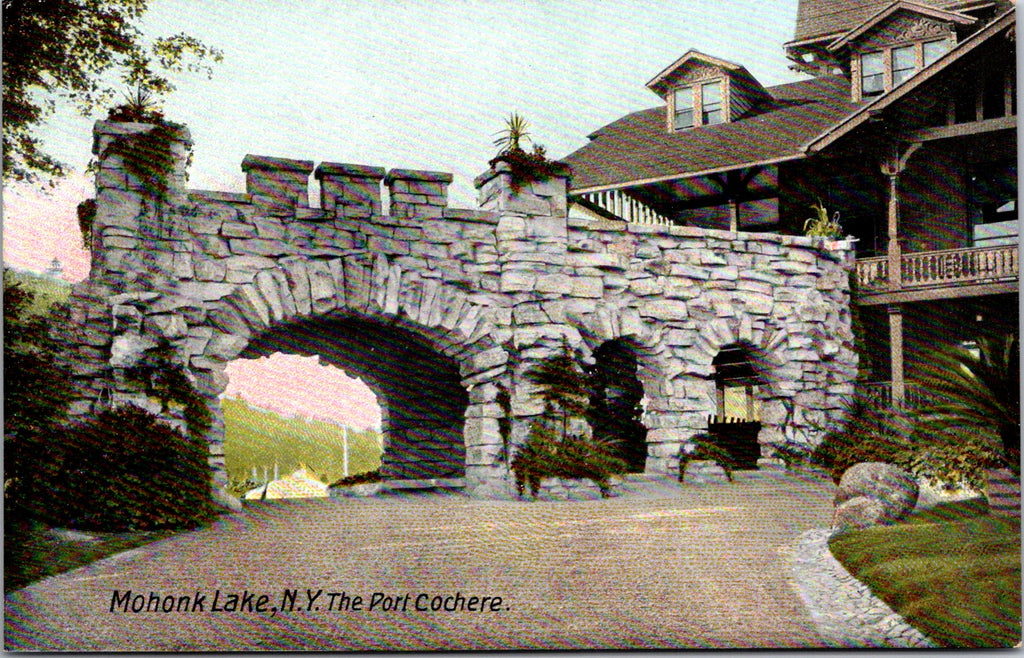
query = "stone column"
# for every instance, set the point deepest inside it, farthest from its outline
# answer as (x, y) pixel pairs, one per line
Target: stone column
(417, 193)
(531, 242)
(350, 190)
(132, 198)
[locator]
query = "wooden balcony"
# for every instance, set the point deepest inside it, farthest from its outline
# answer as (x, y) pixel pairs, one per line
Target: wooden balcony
(941, 274)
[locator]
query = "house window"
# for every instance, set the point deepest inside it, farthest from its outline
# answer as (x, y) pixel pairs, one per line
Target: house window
(933, 50)
(872, 74)
(683, 107)
(711, 97)
(904, 64)
(993, 205)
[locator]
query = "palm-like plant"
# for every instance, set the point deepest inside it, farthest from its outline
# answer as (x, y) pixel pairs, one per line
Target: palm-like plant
(515, 131)
(563, 387)
(977, 388)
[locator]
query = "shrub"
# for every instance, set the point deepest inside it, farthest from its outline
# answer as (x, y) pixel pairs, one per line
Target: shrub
(956, 458)
(125, 469)
(552, 450)
(359, 478)
(706, 449)
(977, 390)
(545, 455)
(875, 431)
(36, 390)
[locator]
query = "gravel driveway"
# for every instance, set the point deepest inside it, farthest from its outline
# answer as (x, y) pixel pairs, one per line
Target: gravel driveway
(661, 566)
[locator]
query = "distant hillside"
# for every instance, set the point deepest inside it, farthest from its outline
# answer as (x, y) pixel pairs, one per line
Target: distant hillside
(257, 437)
(48, 291)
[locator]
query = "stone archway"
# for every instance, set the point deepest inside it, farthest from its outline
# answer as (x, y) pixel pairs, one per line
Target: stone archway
(485, 293)
(435, 381)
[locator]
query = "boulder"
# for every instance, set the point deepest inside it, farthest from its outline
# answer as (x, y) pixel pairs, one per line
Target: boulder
(874, 493)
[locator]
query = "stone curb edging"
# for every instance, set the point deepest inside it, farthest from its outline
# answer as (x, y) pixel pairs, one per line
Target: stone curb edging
(843, 609)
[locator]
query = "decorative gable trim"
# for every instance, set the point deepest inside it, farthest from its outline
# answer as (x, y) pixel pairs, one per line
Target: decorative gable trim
(701, 67)
(928, 22)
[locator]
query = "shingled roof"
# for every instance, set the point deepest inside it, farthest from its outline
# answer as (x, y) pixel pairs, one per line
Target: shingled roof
(637, 148)
(816, 19)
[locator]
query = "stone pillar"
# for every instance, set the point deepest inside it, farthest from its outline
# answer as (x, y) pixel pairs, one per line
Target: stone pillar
(277, 184)
(132, 196)
(417, 193)
(350, 190)
(531, 242)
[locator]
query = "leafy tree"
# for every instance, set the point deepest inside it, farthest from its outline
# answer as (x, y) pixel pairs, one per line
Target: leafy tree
(35, 393)
(65, 49)
(979, 389)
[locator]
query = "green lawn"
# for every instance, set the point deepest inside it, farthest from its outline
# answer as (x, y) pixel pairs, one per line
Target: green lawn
(954, 573)
(33, 553)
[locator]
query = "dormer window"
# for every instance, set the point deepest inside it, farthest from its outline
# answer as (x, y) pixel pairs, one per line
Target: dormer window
(711, 105)
(882, 71)
(683, 97)
(933, 50)
(701, 90)
(872, 77)
(904, 64)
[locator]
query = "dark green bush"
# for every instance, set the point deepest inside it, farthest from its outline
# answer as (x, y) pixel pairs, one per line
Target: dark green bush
(705, 449)
(546, 454)
(125, 469)
(875, 431)
(36, 390)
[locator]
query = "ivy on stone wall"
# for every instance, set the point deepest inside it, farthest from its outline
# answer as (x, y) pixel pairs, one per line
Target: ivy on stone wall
(86, 219)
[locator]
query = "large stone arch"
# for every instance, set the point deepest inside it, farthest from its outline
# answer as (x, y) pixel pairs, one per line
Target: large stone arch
(291, 306)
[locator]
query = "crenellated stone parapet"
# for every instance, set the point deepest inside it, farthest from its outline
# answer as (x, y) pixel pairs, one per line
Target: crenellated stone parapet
(350, 190)
(417, 193)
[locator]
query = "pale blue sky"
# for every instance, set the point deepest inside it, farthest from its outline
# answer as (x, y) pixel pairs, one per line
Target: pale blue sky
(427, 84)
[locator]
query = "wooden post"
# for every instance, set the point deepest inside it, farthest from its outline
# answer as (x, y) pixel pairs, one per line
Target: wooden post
(720, 400)
(895, 253)
(893, 167)
(750, 402)
(734, 215)
(896, 352)
(344, 442)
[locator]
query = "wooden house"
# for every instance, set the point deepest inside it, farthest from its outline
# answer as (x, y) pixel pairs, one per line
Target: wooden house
(906, 128)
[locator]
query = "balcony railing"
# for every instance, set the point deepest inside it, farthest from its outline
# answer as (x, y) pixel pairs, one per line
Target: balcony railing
(949, 267)
(914, 394)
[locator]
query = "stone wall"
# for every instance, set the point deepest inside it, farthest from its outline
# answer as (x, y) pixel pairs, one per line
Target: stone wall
(482, 295)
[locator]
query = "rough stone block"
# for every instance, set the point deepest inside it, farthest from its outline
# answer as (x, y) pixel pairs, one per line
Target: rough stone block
(590, 287)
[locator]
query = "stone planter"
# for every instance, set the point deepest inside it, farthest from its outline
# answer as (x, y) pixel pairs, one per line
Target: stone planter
(573, 489)
(701, 471)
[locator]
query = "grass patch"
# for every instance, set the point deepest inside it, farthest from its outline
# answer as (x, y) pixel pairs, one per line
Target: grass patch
(953, 572)
(33, 553)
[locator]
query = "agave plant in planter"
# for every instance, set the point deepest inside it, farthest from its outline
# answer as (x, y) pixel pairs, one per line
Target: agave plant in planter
(525, 166)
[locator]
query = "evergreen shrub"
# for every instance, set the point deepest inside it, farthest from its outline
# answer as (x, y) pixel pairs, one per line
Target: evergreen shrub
(545, 454)
(125, 469)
